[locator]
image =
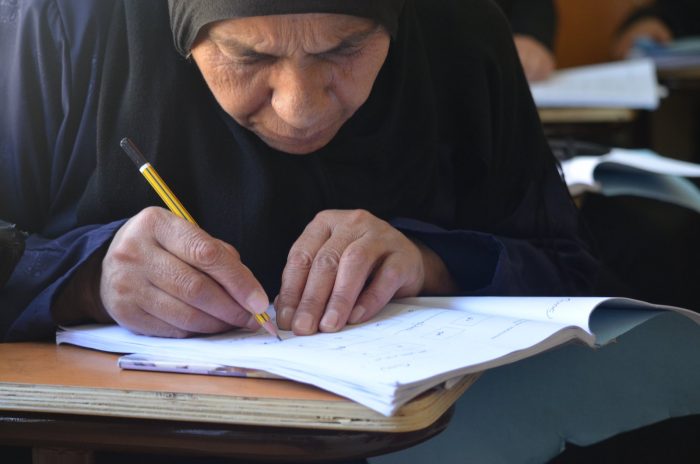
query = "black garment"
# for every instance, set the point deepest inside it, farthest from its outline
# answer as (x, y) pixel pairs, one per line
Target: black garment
(448, 148)
(681, 16)
(188, 17)
(536, 18)
(11, 249)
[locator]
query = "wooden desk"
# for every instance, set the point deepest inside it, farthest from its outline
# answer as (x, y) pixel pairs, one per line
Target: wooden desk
(68, 397)
(681, 78)
(586, 115)
(607, 126)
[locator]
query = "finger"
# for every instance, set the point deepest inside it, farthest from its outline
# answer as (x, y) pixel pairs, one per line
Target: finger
(153, 311)
(356, 265)
(134, 318)
(179, 314)
(296, 271)
(388, 279)
(319, 285)
(195, 289)
(213, 257)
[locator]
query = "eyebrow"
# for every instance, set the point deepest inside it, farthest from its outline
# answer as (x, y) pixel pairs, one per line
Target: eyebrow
(350, 41)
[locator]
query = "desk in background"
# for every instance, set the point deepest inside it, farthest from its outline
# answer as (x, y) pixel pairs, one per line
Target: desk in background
(618, 127)
(672, 130)
(54, 398)
(675, 127)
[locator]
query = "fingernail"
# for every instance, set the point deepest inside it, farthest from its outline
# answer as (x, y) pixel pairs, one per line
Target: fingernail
(303, 323)
(357, 313)
(330, 320)
(257, 302)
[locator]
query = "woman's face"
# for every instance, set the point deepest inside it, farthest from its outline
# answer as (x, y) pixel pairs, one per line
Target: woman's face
(292, 79)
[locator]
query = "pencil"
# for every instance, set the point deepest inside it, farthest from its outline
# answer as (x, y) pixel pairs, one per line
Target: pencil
(177, 208)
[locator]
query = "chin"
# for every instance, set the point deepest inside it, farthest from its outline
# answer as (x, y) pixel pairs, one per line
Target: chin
(297, 146)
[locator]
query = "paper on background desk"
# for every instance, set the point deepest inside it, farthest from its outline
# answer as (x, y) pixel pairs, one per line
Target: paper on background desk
(623, 84)
(410, 347)
(640, 173)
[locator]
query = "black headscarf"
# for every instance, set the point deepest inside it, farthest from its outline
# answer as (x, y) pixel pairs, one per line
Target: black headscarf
(187, 17)
(449, 135)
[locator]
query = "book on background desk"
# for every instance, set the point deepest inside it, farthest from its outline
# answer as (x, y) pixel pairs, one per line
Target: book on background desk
(678, 54)
(640, 173)
(623, 84)
(411, 346)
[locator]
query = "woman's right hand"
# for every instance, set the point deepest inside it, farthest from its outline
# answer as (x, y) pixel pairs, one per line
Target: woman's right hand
(164, 276)
(652, 28)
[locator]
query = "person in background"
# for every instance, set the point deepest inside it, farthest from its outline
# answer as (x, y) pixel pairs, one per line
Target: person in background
(662, 22)
(534, 24)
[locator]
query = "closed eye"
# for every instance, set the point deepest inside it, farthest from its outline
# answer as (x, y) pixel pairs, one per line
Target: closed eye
(251, 57)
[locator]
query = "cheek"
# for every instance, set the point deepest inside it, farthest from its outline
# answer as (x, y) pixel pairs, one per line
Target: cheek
(239, 94)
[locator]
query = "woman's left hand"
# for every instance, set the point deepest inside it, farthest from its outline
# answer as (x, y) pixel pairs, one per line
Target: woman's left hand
(346, 266)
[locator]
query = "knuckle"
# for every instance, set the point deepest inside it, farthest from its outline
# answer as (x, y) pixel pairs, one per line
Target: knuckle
(203, 251)
(121, 288)
(392, 276)
(323, 216)
(124, 252)
(149, 217)
(341, 299)
(312, 301)
(190, 286)
(356, 254)
(327, 261)
(288, 295)
(358, 216)
(299, 259)
(372, 299)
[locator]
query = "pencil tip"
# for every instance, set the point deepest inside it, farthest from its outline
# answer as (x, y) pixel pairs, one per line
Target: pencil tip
(279, 338)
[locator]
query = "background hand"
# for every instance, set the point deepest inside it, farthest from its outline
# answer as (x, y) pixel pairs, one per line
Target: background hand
(166, 277)
(652, 28)
(538, 62)
(346, 266)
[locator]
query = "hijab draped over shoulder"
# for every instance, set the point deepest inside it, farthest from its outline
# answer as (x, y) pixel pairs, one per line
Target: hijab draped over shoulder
(449, 135)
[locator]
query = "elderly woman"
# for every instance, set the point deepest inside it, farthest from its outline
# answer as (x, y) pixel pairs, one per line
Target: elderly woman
(335, 154)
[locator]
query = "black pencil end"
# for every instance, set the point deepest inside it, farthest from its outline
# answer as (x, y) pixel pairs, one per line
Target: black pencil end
(132, 151)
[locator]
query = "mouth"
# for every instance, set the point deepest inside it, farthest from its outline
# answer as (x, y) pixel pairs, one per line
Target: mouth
(298, 144)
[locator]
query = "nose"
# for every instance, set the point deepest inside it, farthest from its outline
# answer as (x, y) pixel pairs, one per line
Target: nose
(301, 94)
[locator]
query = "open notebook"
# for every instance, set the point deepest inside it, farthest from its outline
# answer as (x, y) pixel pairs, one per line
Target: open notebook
(410, 347)
(640, 173)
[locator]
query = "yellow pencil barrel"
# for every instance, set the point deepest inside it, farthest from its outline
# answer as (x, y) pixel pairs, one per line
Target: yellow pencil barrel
(165, 193)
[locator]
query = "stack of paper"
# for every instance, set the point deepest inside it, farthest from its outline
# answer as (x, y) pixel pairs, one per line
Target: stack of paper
(408, 348)
(624, 84)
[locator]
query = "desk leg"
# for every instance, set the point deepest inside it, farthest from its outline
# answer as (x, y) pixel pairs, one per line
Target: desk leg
(62, 456)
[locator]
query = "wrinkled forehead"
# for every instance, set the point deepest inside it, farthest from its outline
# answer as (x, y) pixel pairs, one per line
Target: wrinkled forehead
(187, 17)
